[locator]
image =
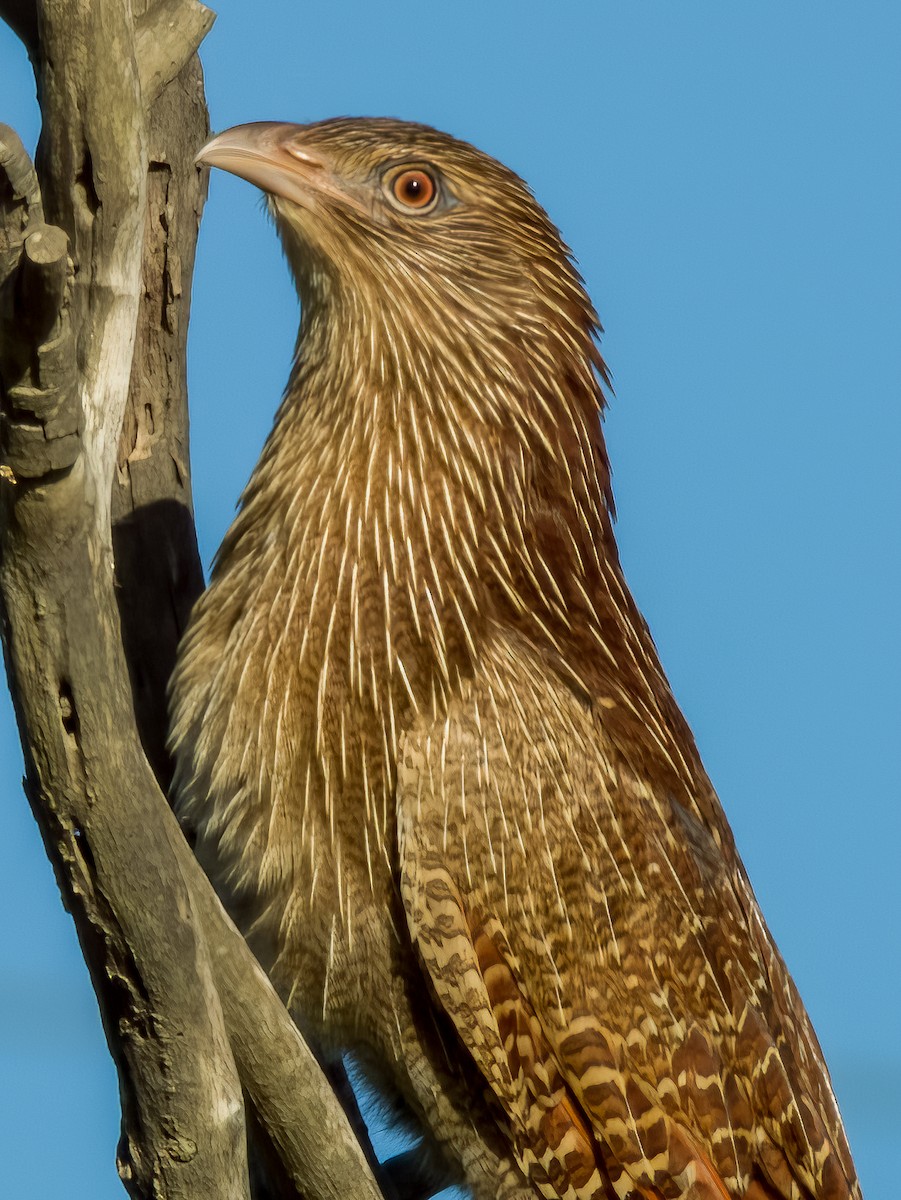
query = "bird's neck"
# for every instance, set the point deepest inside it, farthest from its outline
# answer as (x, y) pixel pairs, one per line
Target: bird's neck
(430, 507)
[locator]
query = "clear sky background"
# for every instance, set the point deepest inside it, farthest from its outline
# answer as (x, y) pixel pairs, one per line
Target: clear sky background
(728, 177)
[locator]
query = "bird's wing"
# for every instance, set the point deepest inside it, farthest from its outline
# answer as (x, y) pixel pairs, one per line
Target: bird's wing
(605, 967)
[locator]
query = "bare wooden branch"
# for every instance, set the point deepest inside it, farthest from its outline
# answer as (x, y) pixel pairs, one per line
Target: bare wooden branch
(167, 36)
(42, 279)
(42, 408)
(321, 1156)
(92, 161)
(98, 570)
(93, 794)
(20, 175)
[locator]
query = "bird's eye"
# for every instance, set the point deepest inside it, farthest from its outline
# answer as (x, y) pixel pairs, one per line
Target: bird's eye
(413, 188)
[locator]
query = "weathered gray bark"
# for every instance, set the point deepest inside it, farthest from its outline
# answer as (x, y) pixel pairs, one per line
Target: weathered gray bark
(98, 570)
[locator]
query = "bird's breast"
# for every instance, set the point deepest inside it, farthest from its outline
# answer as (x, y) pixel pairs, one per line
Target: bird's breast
(286, 716)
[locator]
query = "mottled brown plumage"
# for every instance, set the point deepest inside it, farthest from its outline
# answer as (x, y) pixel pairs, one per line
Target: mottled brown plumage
(423, 738)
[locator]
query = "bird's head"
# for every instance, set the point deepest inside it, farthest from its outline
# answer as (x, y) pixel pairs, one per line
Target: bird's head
(409, 231)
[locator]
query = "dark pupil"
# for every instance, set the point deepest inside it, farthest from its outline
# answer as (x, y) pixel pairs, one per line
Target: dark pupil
(414, 187)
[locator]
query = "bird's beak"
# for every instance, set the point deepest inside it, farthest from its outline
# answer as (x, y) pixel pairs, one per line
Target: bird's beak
(272, 155)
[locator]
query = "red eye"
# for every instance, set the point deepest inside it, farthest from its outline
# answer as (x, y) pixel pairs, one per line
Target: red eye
(414, 188)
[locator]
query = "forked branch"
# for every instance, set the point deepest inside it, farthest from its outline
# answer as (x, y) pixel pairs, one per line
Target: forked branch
(98, 569)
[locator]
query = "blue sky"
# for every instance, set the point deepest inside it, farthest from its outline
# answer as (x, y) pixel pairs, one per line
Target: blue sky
(728, 177)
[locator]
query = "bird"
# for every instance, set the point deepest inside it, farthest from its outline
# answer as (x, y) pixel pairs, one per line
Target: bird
(423, 741)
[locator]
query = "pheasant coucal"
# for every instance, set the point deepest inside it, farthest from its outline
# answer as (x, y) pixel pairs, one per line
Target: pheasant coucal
(423, 738)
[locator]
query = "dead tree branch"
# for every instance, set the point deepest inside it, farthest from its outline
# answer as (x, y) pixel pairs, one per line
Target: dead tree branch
(98, 571)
